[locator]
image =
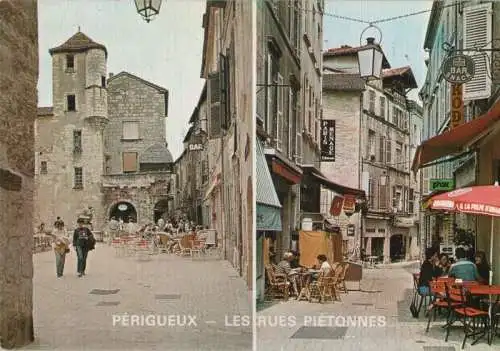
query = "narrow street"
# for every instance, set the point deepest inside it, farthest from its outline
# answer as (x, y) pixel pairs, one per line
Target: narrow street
(69, 317)
(386, 294)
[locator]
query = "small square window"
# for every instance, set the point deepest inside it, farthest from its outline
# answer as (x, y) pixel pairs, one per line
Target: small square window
(71, 100)
(130, 131)
(129, 162)
(70, 62)
(43, 167)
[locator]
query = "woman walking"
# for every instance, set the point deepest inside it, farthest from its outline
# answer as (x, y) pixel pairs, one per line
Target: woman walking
(61, 247)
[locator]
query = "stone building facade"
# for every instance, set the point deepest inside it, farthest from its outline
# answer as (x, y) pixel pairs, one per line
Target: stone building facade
(18, 100)
(372, 122)
(227, 66)
(102, 143)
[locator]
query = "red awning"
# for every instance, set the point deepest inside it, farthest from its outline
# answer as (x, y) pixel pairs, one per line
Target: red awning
(327, 183)
(453, 141)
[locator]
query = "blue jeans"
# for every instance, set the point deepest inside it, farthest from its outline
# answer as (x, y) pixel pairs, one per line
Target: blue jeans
(60, 258)
(81, 254)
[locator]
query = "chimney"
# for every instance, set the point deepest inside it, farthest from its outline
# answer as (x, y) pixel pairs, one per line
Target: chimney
(111, 75)
(370, 41)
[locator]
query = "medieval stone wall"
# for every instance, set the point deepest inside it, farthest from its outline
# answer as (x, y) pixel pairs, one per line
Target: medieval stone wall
(18, 106)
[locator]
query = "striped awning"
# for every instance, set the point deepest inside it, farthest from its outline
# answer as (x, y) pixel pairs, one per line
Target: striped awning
(268, 204)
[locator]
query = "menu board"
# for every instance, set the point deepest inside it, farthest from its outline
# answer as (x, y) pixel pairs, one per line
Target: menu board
(328, 140)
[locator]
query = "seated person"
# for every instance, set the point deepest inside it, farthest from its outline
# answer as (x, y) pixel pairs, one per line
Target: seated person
(284, 266)
(294, 263)
(444, 264)
(428, 271)
(323, 265)
(463, 268)
(483, 268)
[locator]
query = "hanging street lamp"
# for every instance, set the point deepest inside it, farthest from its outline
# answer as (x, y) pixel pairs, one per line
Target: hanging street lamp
(148, 9)
(370, 57)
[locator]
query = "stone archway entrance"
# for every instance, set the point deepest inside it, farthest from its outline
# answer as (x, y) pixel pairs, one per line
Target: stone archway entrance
(124, 210)
(160, 210)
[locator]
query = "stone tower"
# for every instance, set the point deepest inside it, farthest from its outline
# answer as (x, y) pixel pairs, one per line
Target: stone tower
(70, 144)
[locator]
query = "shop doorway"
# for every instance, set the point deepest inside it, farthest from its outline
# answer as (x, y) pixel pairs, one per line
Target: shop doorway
(397, 249)
(123, 210)
(160, 210)
(378, 247)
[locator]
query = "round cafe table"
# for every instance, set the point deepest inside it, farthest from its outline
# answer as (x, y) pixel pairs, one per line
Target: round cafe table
(489, 290)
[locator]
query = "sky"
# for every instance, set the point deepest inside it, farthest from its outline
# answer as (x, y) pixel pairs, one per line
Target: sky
(402, 40)
(166, 51)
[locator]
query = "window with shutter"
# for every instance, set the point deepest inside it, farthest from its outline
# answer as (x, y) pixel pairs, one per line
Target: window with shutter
(279, 114)
(381, 149)
(291, 122)
(129, 162)
(382, 107)
(388, 152)
(130, 130)
(215, 127)
(411, 201)
(371, 192)
(371, 95)
(382, 193)
(477, 23)
(224, 82)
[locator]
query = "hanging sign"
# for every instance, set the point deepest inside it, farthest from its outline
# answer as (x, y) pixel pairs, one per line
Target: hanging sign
(328, 140)
(458, 69)
(350, 230)
(349, 204)
(457, 105)
(336, 207)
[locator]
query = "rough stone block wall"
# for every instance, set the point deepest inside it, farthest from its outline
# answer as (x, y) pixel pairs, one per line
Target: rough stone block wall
(344, 109)
(18, 106)
(130, 99)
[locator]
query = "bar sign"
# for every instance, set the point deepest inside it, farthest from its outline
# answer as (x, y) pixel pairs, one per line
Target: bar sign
(328, 140)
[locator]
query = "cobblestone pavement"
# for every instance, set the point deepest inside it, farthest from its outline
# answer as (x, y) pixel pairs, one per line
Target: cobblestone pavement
(385, 293)
(68, 317)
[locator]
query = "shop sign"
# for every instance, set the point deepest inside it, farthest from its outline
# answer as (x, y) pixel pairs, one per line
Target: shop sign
(458, 69)
(457, 105)
(328, 140)
(195, 147)
(283, 171)
(350, 230)
(404, 222)
(349, 204)
(336, 207)
(441, 184)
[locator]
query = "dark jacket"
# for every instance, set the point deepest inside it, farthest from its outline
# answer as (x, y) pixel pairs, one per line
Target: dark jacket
(427, 272)
(484, 272)
(82, 237)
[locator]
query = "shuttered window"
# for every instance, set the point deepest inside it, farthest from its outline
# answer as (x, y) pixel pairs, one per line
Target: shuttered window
(371, 192)
(279, 115)
(411, 201)
(215, 125)
(371, 96)
(382, 107)
(388, 152)
(130, 130)
(129, 162)
(477, 34)
(382, 192)
(381, 149)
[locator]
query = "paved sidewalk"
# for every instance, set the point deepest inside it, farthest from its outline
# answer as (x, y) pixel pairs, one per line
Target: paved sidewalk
(385, 295)
(67, 317)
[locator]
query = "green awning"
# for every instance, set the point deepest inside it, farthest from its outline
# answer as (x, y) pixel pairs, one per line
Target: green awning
(268, 203)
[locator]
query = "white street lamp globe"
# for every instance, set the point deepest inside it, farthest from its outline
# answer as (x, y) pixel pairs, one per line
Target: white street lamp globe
(148, 9)
(370, 59)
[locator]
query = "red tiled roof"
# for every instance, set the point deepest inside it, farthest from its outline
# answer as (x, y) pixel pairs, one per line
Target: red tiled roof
(346, 50)
(78, 43)
(45, 111)
(395, 71)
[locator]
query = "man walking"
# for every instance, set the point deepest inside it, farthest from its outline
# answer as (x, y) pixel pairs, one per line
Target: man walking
(83, 241)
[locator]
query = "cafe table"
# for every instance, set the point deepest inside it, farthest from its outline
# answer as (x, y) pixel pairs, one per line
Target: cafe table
(306, 277)
(486, 290)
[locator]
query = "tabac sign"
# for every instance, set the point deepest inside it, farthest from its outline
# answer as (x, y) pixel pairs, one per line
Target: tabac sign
(458, 69)
(328, 140)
